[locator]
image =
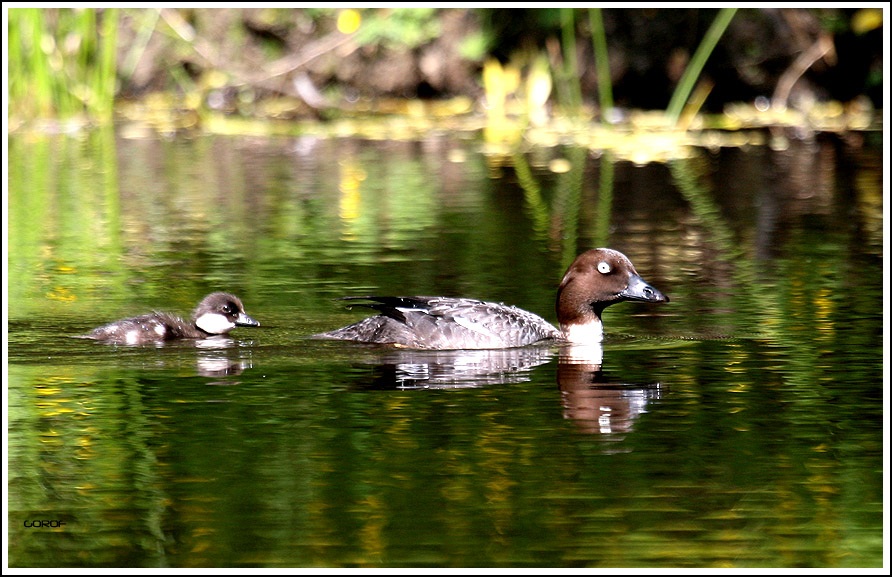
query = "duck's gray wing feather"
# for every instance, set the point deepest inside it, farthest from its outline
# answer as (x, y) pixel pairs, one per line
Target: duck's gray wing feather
(445, 323)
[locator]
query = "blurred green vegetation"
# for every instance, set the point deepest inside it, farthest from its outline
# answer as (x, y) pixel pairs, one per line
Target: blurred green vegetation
(62, 62)
(199, 66)
(409, 27)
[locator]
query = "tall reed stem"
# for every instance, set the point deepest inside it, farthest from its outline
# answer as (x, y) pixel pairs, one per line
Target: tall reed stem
(602, 61)
(695, 66)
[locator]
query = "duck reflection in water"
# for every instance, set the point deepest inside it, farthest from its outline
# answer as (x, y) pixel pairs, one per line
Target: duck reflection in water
(419, 369)
(592, 400)
(596, 402)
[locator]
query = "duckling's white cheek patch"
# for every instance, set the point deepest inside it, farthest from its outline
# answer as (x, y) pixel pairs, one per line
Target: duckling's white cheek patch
(604, 267)
(160, 330)
(214, 323)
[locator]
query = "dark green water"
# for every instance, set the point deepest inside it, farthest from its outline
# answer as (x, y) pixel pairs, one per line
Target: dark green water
(740, 425)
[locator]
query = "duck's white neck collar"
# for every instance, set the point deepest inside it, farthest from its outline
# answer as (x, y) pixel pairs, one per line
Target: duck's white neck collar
(587, 333)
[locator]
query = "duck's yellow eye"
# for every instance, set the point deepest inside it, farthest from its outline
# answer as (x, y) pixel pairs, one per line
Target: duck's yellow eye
(603, 267)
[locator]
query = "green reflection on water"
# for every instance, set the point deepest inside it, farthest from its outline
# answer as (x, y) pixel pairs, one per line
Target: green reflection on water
(753, 404)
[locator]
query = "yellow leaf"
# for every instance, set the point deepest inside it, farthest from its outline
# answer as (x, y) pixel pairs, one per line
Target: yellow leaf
(349, 21)
(867, 19)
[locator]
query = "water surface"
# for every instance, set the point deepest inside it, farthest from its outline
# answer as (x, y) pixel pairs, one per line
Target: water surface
(740, 425)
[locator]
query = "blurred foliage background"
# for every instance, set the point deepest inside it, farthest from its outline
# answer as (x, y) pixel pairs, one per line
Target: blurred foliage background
(178, 67)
